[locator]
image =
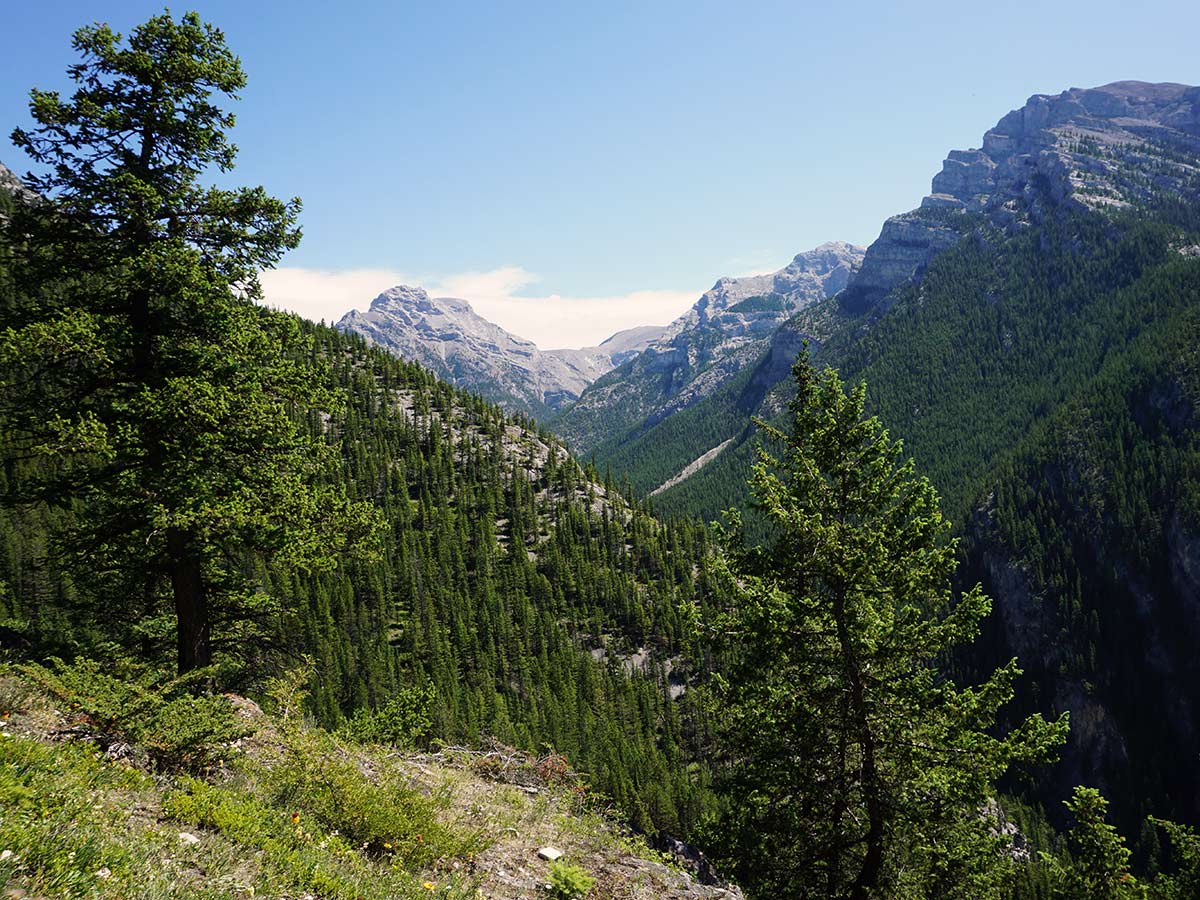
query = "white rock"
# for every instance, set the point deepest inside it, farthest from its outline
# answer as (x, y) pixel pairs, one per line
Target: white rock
(550, 853)
(186, 837)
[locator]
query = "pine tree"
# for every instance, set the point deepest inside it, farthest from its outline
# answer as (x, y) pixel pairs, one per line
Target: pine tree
(852, 767)
(164, 402)
(1098, 865)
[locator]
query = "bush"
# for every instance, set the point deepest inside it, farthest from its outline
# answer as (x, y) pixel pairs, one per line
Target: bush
(568, 882)
(378, 813)
(404, 721)
(175, 728)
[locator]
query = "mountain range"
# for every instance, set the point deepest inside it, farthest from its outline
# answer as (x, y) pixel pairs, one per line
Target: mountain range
(1029, 330)
(719, 334)
(446, 335)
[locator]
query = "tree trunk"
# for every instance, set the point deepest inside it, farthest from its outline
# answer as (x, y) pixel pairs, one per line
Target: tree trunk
(872, 864)
(191, 604)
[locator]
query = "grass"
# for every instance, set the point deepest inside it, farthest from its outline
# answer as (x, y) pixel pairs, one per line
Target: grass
(300, 816)
(285, 810)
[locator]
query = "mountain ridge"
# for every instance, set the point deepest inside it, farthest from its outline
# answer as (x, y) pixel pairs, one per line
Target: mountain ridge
(725, 330)
(449, 337)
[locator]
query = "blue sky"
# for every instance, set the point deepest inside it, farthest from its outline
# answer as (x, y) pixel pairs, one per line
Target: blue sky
(574, 168)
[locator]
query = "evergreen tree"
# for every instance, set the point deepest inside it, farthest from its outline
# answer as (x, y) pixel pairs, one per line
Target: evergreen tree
(852, 768)
(163, 401)
(1098, 865)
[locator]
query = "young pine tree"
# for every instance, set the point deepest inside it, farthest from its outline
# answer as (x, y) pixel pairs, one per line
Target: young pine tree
(852, 767)
(163, 403)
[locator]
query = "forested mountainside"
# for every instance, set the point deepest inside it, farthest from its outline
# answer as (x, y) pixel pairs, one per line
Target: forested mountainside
(537, 606)
(449, 338)
(200, 495)
(1026, 333)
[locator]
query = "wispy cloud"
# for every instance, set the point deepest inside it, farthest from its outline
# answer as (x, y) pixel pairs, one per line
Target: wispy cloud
(323, 294)
(550, 321)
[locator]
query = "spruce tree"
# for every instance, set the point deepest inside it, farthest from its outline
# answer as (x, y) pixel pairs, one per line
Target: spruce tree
(165, 404)
(852, 767)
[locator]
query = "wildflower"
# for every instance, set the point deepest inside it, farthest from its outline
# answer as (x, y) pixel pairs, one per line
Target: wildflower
(387, 846)
(429, 886)
(295, 818)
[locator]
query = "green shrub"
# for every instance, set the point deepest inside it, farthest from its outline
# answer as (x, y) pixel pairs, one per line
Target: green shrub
(175, 728)
(56, 833)
(568, 882)
(404, 721)
(377, 812)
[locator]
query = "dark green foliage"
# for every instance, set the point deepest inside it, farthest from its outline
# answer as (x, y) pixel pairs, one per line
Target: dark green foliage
(1096, 862)
(157, 716)
(1046, 382)
(138, 377)
(503, 569)
(762, 303)
(403, 721)
(508, 564)
(854, 767)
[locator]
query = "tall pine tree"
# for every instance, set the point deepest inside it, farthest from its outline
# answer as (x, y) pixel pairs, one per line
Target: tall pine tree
(852, 767)
(163, 401)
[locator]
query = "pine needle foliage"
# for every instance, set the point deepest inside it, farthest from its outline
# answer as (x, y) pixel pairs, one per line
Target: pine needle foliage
(852, 767)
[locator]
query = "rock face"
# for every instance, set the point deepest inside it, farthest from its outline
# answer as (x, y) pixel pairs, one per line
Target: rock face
(1089, 147)
(9, 181)
(727, 329)
(11, 185)
(460, 346)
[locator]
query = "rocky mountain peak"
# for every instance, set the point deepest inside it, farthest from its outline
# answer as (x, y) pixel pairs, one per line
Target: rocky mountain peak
(417, 300)
(11, 184)
(727, 329)
(757, 304)
(446, 335)
(1121, 144)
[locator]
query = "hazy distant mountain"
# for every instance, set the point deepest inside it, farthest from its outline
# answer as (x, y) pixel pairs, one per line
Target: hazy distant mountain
(449, 337)
(726, 330)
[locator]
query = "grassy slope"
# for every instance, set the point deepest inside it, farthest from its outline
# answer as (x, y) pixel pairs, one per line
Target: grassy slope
(294, 811)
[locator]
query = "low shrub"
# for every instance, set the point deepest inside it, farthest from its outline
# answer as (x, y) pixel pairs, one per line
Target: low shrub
(177, 729)
(568, 882)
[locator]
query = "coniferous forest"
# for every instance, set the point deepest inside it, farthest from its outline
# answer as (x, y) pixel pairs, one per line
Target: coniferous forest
(203, 500)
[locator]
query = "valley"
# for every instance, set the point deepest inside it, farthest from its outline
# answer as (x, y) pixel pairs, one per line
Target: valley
(873, 577)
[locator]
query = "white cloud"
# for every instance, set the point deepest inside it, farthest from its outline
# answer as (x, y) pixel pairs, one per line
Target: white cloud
(550, 321)
(322, 294)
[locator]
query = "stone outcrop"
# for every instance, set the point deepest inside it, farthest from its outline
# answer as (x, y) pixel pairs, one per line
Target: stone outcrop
(12, 185)
(9, 181)
(1089, 147)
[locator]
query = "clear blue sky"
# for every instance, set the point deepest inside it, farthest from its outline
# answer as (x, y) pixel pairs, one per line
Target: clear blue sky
(608, 149)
